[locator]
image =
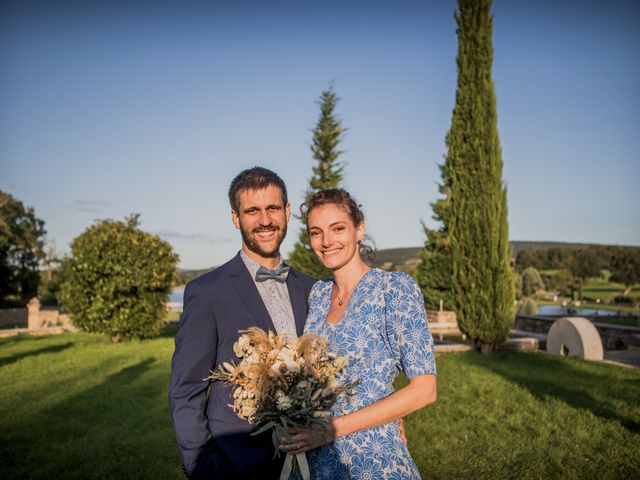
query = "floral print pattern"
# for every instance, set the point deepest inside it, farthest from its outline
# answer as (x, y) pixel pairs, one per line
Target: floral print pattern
(383, 331)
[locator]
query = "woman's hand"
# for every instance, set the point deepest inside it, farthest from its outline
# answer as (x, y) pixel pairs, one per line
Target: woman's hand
(304, 439)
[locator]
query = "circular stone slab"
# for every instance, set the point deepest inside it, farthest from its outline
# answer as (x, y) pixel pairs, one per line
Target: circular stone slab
(575, 337)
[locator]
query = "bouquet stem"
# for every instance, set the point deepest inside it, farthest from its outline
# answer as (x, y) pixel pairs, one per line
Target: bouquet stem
(290, 464)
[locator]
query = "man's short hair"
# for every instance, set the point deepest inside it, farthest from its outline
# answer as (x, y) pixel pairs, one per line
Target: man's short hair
(255, 178)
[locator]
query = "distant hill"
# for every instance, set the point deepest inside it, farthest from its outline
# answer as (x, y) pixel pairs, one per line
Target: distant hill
(396, 256)
(185, 275)
(411, 255)
(408, 257)
(519, 245)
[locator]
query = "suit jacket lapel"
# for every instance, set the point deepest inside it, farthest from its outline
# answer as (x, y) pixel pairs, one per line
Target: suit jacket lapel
(298, 300)
(247, 291)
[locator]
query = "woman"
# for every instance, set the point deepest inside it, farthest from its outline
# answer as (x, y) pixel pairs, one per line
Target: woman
(377, 319)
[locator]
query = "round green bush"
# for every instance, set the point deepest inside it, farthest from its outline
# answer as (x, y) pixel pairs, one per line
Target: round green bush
(117, 280)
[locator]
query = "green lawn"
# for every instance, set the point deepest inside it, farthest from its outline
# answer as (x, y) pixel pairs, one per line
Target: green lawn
(607, 291)
(75, 406)
(519, 415)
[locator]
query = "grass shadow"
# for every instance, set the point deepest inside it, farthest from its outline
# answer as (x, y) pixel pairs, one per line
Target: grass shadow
(569, 381)
(119, 428)
(32, 353)
(128, 374)
(21, 338)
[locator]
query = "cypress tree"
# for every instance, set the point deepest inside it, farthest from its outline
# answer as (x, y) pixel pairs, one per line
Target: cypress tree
(434, 273)
(481, 278)
(327, 173)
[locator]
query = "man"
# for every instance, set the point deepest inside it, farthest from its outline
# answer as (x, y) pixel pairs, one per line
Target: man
(255, 288)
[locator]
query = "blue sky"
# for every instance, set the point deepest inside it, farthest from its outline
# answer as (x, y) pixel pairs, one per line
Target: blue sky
(109, 108)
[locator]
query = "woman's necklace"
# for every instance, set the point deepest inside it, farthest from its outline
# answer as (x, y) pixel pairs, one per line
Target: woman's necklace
(340, 299)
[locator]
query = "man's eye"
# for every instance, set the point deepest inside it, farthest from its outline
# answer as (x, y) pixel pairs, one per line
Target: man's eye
(314, 234)
(339, 228)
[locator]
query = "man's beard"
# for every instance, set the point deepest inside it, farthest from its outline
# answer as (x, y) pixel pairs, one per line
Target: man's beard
(248, 237)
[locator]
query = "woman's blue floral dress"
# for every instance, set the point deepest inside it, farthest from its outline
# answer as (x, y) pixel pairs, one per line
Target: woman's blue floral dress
(383, 331)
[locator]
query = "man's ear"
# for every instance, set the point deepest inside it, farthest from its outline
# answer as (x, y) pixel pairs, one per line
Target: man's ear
(287, 211)
(235, 218)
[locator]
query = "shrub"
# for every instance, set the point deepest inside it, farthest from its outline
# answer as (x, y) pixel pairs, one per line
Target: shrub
(562, 282)
(527, 306)
(517, 284)
(621, 299)
(531, 282)
(117, 280)
(625, 267)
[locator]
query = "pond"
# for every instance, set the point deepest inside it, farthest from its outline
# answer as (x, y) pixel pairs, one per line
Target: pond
(176, 295)
(560, 310)
(176, 302)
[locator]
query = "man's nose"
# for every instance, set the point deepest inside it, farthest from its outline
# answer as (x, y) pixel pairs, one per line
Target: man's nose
(265, 218)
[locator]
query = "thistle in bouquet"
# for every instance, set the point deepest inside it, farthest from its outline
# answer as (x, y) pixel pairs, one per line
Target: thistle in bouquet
(284, 384)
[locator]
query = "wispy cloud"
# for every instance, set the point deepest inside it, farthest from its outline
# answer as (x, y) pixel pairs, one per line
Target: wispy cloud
(90, 206)
(200, 237)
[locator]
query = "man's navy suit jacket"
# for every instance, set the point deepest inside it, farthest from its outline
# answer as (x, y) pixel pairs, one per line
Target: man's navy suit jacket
(213, 441)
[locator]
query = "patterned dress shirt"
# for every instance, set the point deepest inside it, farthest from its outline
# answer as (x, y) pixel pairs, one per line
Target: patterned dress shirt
(275, 296)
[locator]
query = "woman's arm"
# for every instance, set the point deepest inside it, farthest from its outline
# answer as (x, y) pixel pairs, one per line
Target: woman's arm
(420, 392)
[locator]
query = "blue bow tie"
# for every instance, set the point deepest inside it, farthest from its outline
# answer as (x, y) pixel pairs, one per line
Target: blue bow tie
(278, 274)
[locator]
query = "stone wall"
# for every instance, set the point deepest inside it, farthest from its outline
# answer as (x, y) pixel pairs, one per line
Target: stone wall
(534, 324)
(13, 316)
(46, 317)
(442, 316)
(39, 320)
(443, 322)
